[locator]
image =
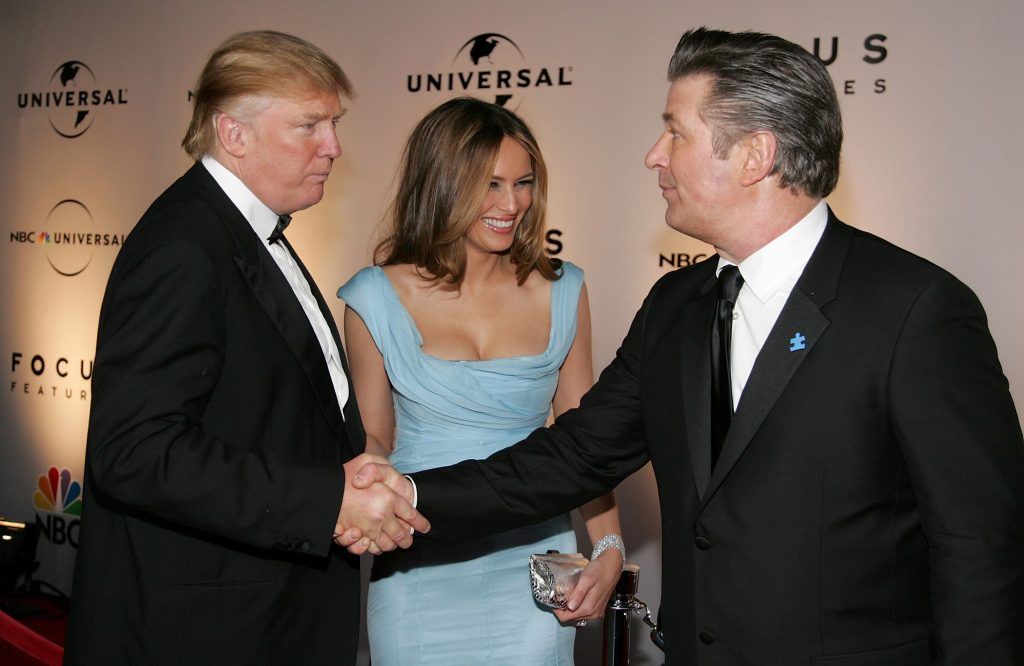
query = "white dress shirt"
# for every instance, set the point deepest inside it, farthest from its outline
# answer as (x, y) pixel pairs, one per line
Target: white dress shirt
(769, 276)
(263, 220)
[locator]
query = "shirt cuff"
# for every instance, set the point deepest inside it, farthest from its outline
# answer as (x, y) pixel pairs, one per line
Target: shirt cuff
(415, 492)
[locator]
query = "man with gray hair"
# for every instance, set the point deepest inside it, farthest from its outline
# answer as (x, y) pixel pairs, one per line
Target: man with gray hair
(224, 431)
(839, 462)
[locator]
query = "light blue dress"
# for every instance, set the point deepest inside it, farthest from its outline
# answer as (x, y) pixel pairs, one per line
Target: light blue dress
(464, 603)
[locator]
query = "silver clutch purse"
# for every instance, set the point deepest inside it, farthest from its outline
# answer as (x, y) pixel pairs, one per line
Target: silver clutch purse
(553, 577)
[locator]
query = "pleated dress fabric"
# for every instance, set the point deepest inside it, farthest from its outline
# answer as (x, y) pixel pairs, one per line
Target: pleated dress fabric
(464, 603)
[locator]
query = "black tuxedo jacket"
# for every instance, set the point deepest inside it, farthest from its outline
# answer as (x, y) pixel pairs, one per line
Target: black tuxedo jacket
(868, 504)
(214, 459)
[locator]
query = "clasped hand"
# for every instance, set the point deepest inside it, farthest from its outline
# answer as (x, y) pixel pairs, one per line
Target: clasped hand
(376, 510)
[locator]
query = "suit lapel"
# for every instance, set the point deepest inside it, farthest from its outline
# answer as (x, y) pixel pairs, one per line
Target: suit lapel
(774, 367)
(275, 296)
(696, 369)
(792, 339)
(352, 422)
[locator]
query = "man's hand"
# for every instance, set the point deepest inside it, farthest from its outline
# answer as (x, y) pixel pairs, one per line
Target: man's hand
(376, 511)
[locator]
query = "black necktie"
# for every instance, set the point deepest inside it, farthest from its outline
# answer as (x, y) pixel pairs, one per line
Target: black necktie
(729, 283)
(278, 232)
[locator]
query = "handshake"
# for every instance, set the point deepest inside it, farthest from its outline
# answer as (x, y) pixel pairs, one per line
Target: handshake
(377, 511)
(377, 515)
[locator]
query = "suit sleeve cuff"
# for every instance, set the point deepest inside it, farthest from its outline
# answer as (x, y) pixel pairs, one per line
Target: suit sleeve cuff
(415, 492)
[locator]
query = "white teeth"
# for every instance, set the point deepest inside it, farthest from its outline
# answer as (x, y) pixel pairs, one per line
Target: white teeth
(498, 224)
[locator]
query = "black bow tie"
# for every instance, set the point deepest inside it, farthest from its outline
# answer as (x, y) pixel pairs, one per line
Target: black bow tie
(278, 233)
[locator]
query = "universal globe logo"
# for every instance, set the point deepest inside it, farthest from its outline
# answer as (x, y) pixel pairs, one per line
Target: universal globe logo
(72, 98)
(64, 218)
(491, 66)
(68, 237)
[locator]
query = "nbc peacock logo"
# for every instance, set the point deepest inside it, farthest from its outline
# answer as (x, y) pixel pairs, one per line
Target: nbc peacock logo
(58, 493)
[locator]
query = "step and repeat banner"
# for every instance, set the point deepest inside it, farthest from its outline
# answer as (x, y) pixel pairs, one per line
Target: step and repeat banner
(94, 100)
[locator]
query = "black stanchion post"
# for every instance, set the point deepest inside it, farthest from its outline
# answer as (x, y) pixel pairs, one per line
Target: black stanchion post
(616, 618)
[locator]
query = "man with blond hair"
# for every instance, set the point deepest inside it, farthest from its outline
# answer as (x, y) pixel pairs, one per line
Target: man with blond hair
(223, 427)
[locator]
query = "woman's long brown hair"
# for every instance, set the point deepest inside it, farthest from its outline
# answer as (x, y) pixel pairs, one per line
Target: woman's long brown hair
(446, 169)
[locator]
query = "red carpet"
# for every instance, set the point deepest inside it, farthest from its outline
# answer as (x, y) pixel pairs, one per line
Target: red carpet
(32, 630)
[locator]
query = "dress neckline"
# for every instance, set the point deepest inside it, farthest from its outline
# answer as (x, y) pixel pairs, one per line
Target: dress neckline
(390, 289)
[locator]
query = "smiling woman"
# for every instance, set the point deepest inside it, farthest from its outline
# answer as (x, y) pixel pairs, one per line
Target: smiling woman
(509, 196)
(461, 341)
(447, 172)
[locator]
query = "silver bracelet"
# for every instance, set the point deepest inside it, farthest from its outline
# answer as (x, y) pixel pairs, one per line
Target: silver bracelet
(606, 542)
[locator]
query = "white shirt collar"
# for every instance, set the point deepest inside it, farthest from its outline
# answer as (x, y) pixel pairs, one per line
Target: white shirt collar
(262, 219)
(773, 266)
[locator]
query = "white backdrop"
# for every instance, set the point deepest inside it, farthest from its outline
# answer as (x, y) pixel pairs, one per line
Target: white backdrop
(929, 90)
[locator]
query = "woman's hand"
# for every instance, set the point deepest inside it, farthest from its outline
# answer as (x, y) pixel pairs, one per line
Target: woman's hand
(590, 596)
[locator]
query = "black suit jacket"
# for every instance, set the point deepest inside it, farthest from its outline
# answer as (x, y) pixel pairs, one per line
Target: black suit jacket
(868, 504)
(214, 460)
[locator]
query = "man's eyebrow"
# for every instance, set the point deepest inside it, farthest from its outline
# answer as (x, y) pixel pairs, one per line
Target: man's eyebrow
(313, 115)
(667, 117)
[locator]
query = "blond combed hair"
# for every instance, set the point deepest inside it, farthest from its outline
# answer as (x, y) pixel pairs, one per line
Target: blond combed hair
(252, 65)
(442, 182)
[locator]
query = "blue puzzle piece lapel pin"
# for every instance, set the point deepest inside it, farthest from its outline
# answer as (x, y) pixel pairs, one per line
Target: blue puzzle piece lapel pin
(797, 342)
